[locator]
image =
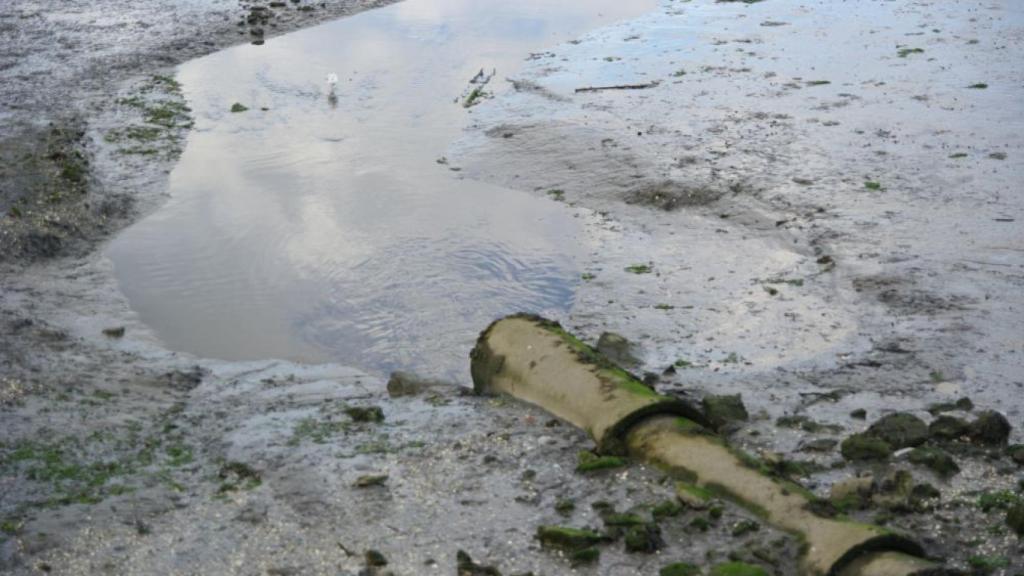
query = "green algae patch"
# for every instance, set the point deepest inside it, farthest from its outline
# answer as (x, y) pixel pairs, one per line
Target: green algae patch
(585, 556)
(666, 509)
(623, 519)
(738, 569)
(566, 538)
(590, 462)
(680, 569)
(693, 495)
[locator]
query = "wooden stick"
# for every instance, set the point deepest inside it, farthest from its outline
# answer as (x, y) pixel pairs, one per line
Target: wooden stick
(619, 87)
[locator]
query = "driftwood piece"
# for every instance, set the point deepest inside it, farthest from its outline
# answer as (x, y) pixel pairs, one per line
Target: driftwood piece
(619, 87)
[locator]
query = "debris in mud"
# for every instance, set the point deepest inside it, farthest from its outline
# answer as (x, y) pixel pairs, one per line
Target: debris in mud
(530, 87)
(238, 107)
(639, 268)
(670, 195)
(117, 332)
(465, 566)
(372, 414)
(408, 384)
(370, 480)
(476, 92)
(644, 86)
(236, 476)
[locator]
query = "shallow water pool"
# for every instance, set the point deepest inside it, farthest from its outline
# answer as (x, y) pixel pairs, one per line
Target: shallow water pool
(329, 229)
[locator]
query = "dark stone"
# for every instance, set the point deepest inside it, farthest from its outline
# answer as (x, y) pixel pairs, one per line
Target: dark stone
(720, 410)
(409, 384)
(859, 414)
(464, 566)
(680, 569)
(945, 428)
(865, 447)
(1016, 453)
(819, 445)
(617, 349)
(990, 428)
(964, 404)
(645, 539)
(900, 430)
(375, 559)
(1015, 518)
(365, 413)
(935, 459)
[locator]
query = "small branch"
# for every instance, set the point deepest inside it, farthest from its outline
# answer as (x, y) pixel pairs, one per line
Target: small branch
(619, 87)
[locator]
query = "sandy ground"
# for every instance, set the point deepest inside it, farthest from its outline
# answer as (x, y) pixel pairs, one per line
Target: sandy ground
(818, 247)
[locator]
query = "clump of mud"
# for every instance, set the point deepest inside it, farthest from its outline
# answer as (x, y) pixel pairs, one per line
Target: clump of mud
(671, 195)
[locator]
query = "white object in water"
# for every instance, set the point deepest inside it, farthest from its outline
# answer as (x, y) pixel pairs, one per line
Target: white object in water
(332, 81)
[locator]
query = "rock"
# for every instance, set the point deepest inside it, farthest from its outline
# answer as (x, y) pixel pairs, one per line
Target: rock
(680, 569)
(667, 509)
(900, 430)
(365, 413)
(375, 559)
(852, 494)
(935, 459)
(745, 527)
(721, 410)
(1016, 453)
(893, 492)
(990, 428)
(863, 446)
(645, 539)
(1015, 518)
(617, 349)
(922, 496)
(409, 384)
(946, 428)
(566, 538)
(585, 556)
(117, 332)
(964, 404)
(464, 566)
(859, 414)
(819, 445)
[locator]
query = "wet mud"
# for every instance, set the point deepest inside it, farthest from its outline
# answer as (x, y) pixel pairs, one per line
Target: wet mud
(832, 234)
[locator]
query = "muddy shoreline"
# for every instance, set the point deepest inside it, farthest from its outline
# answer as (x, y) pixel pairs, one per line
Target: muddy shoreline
(120, 456)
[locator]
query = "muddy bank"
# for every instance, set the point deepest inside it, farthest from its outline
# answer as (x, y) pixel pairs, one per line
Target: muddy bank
(830, 230)
(786, 260)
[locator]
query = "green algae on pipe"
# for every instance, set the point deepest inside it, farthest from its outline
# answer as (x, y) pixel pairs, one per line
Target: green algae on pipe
(535, 360)
(830, 545)
(515, 354)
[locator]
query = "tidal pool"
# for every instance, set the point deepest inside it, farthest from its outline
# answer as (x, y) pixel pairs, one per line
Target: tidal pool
(317, 229)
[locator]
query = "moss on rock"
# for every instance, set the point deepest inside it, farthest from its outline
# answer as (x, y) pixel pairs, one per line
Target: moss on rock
(860, 447)
(566, 538)
(900, 430)
(721, 410)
